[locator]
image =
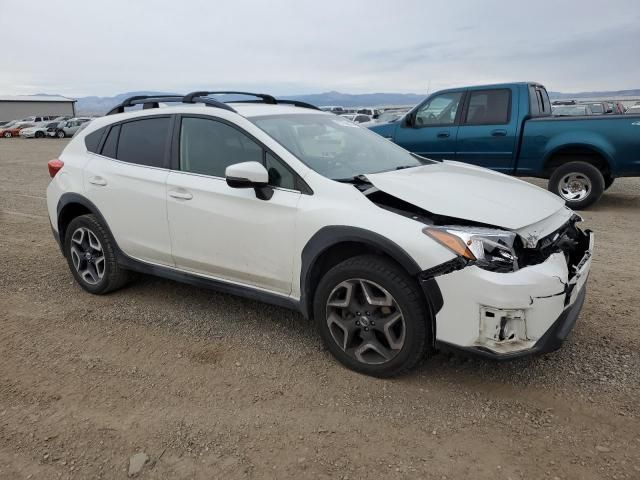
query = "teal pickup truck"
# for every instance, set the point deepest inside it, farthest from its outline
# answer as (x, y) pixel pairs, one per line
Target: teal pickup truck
(509, 128)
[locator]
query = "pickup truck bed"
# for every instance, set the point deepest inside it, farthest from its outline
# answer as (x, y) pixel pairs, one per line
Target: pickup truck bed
(509, 128)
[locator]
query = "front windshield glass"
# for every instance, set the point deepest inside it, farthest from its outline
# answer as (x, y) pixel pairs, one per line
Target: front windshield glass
(336, 147)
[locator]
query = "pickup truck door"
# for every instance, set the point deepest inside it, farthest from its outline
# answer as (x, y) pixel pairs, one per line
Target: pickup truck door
(487, 131)
(431, 129)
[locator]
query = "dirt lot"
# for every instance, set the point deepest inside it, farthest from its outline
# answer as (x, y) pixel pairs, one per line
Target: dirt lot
(212, 386)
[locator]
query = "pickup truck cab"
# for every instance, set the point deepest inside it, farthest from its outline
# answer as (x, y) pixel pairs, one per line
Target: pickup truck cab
(509, 128)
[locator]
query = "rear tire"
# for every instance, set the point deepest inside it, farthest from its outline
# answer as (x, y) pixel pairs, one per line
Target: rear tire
(380, 329)
(579, 184)
(91, 256)
(7, 134)
(60, 134)
(39, 134)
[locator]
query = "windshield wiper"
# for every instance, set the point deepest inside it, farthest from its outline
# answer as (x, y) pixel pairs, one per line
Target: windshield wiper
(355, 179)
(402, 167)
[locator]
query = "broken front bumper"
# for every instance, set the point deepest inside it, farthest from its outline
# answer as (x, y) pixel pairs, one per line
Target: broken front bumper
(509, 315)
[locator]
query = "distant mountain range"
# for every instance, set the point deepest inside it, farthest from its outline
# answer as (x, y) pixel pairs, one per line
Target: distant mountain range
(100, 105)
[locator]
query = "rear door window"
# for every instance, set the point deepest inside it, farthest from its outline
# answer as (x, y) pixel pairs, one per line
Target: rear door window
(110, 146)
(488, 107)
(144, 142)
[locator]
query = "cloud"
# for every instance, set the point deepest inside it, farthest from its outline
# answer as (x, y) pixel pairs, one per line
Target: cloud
(304, 46)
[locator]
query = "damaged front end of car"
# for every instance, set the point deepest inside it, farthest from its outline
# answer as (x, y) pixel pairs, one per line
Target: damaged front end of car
(518, 291)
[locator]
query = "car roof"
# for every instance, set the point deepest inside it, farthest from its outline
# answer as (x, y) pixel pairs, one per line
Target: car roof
(247, 110)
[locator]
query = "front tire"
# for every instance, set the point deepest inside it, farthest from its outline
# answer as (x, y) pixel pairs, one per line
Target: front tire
(91, 256)
(372, 316)
(60, 134)
(579, 184)
(39, 134)
(7, 134)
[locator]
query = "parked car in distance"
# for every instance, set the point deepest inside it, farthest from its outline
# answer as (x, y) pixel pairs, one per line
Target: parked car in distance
(35, 119)
(598, 108)
(571, 110)
(14, 130)
(388, 253)
(509, 128)
(387, 116)
(372, 112)
(38, 130)
(633, 110)
(68, 128)
(356, 118)
(333, 109)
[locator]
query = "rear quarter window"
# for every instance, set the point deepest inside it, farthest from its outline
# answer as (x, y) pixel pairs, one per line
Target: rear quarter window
(92, 141)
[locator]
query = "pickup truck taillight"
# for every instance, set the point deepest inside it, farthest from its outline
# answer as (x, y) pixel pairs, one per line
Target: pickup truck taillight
(54, 166)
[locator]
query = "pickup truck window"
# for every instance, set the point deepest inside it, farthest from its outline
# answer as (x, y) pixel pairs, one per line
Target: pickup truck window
(489, 107)
(440, 110)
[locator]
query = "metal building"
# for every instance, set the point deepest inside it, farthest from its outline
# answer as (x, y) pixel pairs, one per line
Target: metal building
(13, 108)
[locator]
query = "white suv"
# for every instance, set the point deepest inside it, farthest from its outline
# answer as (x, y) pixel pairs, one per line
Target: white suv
(390, 254)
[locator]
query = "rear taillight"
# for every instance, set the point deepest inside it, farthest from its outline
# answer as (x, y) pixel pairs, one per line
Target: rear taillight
(54, 166)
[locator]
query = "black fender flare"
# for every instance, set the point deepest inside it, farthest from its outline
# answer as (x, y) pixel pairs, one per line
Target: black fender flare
(330, 236)
(75, 198)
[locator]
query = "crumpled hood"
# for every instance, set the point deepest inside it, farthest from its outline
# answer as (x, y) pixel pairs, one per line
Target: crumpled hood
(470, 193)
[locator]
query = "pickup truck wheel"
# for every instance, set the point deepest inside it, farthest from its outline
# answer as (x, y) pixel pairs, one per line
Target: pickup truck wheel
(608, 181)
(579, 184)
(372, 316)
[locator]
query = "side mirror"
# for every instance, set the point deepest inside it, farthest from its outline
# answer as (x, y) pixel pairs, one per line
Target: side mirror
(408, 120)
(250, 175)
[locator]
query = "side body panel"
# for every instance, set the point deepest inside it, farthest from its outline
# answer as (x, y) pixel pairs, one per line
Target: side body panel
(230, 234)
(117, 187)
(615, 137)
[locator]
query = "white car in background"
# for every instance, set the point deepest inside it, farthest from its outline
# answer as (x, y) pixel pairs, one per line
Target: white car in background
(387, 116)
(356, 117)
(390, 254)
(38, 131)
(372, 112)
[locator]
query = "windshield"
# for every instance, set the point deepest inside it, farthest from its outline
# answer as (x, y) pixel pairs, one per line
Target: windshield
(334, 146)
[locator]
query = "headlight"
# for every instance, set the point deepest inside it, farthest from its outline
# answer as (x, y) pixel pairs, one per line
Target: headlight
(488, 248)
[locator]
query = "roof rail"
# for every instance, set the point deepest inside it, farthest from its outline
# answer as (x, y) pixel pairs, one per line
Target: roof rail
(147, 101)
(189, 98)
(295, 103)
(153, 101)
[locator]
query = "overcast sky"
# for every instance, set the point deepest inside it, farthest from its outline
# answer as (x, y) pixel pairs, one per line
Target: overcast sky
(82, 47)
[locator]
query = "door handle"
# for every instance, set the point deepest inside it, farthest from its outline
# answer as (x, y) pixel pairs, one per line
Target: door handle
(99, 181)
(443, 135)
(499, 133)
(180, 195)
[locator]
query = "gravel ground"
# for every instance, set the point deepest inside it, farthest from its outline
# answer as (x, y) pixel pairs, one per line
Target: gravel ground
(212, 386)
